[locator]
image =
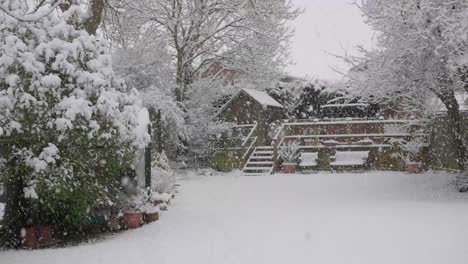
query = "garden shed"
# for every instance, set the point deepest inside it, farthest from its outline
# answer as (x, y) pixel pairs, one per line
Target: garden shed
(250, 106)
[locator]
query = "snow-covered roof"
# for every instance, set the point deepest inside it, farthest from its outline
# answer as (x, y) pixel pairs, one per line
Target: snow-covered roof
(344, 105)
(263, 98)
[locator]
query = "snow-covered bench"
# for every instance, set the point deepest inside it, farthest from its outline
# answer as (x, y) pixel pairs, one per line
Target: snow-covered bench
(349, 160)
(309, 160)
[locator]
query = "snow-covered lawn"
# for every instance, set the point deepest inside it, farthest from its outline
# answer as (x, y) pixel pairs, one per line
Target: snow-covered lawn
(320, 218)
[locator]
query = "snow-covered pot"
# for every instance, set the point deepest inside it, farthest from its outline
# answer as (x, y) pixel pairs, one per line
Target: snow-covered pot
(414, 167)
(44, 234)
(151, 217)
(28, 237)
(133, 219)
(289, 168)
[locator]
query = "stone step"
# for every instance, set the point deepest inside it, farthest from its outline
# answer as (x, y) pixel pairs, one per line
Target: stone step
(263, 152)
(265, 147)
(257, 168)
(260, 163)
(269, 158)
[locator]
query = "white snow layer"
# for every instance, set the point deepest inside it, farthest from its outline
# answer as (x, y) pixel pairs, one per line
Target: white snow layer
(263, 98)
(368, 218)
(141, 130)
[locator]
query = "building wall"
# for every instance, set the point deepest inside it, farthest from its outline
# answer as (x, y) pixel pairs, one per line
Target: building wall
(245, 110)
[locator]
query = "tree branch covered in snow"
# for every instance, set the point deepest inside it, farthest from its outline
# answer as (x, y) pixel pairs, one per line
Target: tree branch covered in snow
(419, 61)
(67, 124)
(251, 37)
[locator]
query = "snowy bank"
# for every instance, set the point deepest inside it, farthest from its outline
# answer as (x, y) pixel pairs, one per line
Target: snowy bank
(368, 218)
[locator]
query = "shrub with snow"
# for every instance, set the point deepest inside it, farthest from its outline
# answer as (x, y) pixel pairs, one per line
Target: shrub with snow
(68, 123)
(290, 153)
(163, 177)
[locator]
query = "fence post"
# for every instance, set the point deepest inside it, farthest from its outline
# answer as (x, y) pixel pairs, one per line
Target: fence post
(275, 155)
(159, 132)
(148, 160)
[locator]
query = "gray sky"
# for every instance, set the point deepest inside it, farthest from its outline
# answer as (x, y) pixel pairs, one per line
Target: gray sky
(327, 26)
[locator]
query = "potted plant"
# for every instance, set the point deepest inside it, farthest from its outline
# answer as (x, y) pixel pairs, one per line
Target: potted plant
(36, 235)
(133, 219)
(39, 230)
(411, 149)
(131, 202)
(44, 234)
(28, 237)
(151, 213)
(414, 167)
(289, 154)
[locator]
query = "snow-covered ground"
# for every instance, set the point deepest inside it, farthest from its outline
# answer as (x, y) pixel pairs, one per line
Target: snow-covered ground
(320, 218)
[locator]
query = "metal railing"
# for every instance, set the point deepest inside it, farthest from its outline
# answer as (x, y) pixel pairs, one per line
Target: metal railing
(284, 132)
(248, 143)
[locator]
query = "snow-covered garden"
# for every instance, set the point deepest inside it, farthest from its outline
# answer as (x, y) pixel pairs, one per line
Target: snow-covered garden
(365, 218)
(172, 131)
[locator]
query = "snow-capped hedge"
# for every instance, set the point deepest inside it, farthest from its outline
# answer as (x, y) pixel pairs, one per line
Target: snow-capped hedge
(67, 125)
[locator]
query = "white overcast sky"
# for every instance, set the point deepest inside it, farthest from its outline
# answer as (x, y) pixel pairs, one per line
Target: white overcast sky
(326, 26)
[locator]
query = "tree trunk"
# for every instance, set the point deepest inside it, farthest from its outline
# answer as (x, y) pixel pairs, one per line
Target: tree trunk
(453, 113)
(180, 79)
(184, 75)
(94, 12)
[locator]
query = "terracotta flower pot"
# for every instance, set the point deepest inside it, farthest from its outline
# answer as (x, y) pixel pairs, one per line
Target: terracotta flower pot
(44, 235)
(414, 167)
(151, 217)
(28, 237)
(133, 220)
(289, 168)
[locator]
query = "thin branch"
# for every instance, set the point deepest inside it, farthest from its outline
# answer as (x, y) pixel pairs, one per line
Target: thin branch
(32, 19)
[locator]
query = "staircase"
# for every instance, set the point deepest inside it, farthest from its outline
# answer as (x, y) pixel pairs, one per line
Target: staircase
(260, 162)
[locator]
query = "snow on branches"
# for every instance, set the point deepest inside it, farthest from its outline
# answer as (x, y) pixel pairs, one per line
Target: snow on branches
(62, 111)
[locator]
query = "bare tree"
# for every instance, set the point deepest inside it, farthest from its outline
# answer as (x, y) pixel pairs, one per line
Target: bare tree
(248, 36)
(419, 57)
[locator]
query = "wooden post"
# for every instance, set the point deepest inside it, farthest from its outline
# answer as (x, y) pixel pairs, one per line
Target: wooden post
(148, 161)
(316, 136)
(275, 155)
(349, 131)
(159, 132)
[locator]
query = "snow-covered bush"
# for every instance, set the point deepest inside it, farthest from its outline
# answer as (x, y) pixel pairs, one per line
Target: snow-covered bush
(163, 177)
(409, 148)
(68, 123)
(290, 153)
(133, 200)
(201, 124)
(144, 63)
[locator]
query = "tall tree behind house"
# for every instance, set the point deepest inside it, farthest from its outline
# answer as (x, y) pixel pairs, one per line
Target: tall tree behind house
(421, 55)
